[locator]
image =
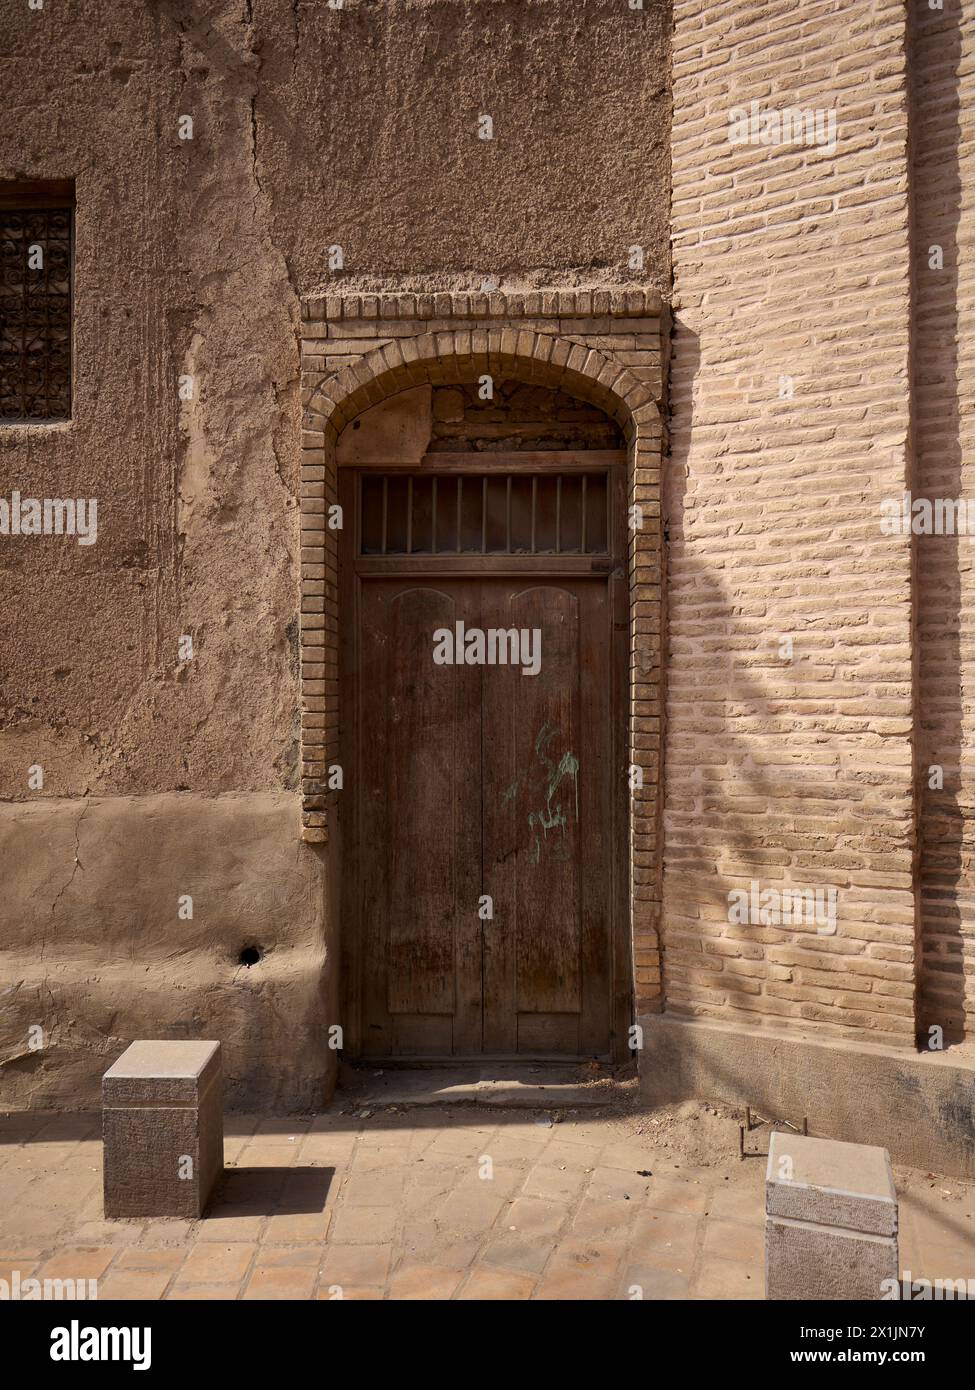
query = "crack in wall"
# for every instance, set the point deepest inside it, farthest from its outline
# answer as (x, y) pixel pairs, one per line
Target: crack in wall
(77, 862)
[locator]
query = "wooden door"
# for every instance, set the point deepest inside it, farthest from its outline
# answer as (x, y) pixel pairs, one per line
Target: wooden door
(483, 810)
(418, 824)
(546, 816)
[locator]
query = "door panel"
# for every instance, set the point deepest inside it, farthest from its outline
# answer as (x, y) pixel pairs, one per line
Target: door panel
(418, 826)
(547, 763)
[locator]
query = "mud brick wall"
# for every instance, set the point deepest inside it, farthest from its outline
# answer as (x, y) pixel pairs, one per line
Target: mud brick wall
(313, 127)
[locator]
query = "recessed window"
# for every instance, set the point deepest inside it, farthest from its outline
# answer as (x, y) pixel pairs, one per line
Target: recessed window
(36, 234)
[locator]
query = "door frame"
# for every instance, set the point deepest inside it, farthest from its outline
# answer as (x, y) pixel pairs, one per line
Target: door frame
(353, 568)
(607, 346)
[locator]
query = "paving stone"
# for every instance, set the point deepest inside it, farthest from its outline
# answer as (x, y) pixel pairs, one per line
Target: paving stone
(228, 1227)
(497, 1284)
(601, 1258)
(29, 1219)
(143, 1285)
(612, 1184)
(350, 1294)
(554, 1183)
(729, 1279)
(673, 1232)
(424, 1281)
(654, 1282)
(168, 1258)
(208, 1293)
(472, 1207)
(594, 1218)
(309, 1226)
(281, 1282)
(373, 1190)
(103, 1232)
(363, 1225)
(304, 1255)
(79, 1262)
(429, 1244)
(25, 1269)
(571, 1156)
(265, 1155)
(518, 1252)
(733, 1240)
(211, 1263)
(167, 1232)
(282, 1130)
(667, 1195)
(532, 1216)
(356, 1264)
(572, 1284)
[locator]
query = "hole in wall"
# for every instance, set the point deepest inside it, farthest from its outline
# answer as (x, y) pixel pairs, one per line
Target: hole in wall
(249, 956)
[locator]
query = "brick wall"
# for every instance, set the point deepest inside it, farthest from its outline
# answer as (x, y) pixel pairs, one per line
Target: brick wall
(943, 175)
(790, 425)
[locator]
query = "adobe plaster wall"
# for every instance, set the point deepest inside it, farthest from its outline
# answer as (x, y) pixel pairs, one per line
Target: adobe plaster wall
(313, 128)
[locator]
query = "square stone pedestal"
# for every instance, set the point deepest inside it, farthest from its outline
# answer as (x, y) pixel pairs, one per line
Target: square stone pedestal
(831, 1219)
(162, 1129)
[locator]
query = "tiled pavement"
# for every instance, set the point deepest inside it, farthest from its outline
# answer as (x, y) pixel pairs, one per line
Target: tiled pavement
(441, 1203)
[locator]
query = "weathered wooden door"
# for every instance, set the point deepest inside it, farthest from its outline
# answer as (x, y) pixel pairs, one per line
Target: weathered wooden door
(482, 814)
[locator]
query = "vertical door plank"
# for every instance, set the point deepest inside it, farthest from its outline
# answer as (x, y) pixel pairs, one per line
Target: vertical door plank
(547, 757)
(419, 822)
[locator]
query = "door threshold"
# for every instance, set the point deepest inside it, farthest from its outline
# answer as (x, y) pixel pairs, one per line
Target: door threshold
(506, 1059)
(541, 1084)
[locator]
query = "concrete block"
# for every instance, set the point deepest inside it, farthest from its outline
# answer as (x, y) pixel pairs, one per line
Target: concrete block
(803, 1260)
(831, 1183)
(831, 1219)
(162, 1129)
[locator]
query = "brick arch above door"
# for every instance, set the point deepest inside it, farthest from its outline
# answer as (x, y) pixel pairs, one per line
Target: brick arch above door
(602, 346)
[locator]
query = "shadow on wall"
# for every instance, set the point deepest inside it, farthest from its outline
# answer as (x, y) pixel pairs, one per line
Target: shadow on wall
(735, 752)
(946, 815)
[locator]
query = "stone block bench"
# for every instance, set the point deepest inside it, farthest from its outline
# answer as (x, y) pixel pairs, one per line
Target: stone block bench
(162, 1129)
(831, 1219)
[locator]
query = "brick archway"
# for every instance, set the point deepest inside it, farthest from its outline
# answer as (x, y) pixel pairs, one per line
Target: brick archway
(400, 350)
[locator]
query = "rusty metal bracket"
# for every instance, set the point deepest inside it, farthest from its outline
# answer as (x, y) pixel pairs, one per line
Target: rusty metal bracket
(752, 1122)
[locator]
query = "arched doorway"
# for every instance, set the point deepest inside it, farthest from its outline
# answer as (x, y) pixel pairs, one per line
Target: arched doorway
(604, 348)
(483, 670)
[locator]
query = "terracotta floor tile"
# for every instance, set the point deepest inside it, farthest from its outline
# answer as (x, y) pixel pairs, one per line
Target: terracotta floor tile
(496, 1284)
(281, 1281)
(211, 1263)
(143, 1285)
(356, 1264)
(424, 1282)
